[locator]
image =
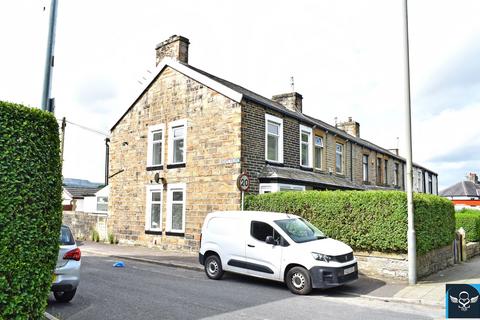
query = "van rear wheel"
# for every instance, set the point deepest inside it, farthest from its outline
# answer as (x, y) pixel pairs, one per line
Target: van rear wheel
(213, 267)
(298, 280)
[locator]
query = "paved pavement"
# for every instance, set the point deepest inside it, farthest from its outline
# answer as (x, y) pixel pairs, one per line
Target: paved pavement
(148, 291)
(429, 291)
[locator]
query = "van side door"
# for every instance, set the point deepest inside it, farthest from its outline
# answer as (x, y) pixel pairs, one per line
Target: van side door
(263, 259)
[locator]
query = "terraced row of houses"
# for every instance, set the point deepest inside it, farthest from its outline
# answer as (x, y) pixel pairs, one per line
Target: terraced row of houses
(176, 152)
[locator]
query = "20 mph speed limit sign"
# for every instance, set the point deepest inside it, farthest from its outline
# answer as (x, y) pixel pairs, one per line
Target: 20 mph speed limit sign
(243, 182)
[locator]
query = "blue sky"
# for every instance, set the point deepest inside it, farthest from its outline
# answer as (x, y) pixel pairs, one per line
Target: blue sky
(346, 58)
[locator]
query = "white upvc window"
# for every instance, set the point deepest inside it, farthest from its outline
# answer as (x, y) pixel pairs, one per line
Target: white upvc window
(156, 143)
(318, 152)
(276, 187)
(153, 212)
(273, 138)
(365, 167)
(306, 146)
(339, 157)
(177, 141)
(176, 207)
(102, 204)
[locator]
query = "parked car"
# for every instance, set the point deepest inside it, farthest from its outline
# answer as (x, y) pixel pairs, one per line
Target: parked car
(66, 276)
(277, 246)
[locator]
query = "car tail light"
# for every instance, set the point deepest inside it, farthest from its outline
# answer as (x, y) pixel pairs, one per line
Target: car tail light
(74, 254)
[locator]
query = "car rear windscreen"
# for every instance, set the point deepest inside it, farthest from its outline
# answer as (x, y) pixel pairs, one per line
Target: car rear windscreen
(66, 237)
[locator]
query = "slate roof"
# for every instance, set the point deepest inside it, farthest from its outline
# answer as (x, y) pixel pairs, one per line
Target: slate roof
(308, 177)
(81, 192)
(239, 93)
(462, 189)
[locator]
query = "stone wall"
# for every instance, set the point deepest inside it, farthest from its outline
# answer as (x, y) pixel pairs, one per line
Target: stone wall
(212, 160)
(473, 249)
(82, 223)
(395, 266)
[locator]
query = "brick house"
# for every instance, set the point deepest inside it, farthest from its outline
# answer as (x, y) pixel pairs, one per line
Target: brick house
(176, 152)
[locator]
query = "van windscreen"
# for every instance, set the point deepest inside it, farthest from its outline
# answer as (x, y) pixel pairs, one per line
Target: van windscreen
(300, 230)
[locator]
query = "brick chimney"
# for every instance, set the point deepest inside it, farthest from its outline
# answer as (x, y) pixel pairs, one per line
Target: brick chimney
(472, 177)
(351, 127)
(292, 101)
(175, 47)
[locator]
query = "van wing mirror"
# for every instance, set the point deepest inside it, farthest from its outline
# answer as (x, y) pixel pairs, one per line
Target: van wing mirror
(270, 240)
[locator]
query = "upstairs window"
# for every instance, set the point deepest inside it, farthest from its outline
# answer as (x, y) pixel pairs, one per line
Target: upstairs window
(339, 158)
(306, 153)
(102, 204)
(385, 176)
(365, 167)
(318, 152)
(177, 141)
(396, 180)
(155, 145)
(273, 139)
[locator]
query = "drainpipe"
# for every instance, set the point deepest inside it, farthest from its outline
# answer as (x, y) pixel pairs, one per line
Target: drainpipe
(107, 156)
(351, 161)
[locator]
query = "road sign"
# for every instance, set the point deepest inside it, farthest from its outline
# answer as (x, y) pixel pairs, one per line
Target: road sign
(243, 182)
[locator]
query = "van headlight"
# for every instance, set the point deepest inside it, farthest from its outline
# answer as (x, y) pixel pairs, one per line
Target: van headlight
(321, 257)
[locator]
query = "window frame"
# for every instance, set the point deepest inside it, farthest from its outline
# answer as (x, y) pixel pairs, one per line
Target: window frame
(275, 187)
(170, 189)
(342, 162)
(309, 146)
(148, 210)
(385, 171)
(396, 174)
(172, 125)
(365, 169)
(151, 130)
(322, 148)
(279, 121)
(96, 207)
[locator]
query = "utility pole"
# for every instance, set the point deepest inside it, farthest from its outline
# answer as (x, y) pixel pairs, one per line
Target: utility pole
(64, 124)
(47, 103)
(411, 237)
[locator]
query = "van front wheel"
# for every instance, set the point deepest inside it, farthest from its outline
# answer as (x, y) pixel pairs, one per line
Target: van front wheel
(298, 280)
(213, 267)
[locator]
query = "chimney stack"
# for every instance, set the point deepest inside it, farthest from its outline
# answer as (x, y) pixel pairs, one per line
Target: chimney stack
(351, 127)
(473, 177)
(292, 101)
(175, 47)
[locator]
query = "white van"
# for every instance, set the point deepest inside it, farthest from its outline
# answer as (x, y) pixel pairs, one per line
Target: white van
(277, 246)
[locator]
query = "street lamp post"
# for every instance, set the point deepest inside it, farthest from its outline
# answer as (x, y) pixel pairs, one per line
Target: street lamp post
(411, 237)
(47, 104)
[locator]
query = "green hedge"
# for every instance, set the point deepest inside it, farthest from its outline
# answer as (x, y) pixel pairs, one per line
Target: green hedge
(470, 221)
(30, 209)
(367, 220)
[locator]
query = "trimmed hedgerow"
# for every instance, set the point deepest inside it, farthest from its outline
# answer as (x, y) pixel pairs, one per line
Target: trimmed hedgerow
(30, 209)
(367, 220)
(469, 220)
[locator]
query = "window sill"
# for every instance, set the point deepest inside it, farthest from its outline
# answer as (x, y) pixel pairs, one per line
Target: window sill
(274, 163)
(175, 234)
(153, 168)
(306, 168)
(176, 165)
(153, 232)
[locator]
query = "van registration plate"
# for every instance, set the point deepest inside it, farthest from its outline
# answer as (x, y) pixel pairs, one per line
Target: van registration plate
(348, 270)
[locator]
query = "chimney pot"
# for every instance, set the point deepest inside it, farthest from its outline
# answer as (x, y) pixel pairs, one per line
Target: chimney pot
(291, 101)
(351, 127)
(472, 176)
(175, 47)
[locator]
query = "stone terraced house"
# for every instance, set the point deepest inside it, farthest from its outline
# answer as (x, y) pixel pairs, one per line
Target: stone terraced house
(177, 151)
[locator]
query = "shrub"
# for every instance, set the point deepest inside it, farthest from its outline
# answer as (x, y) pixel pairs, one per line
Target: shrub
(111, 238)
(367, 220)
(470, 221)
(95, 235)
(30, 209)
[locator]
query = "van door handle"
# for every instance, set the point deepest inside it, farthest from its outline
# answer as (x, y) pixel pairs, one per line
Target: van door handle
(251, 245)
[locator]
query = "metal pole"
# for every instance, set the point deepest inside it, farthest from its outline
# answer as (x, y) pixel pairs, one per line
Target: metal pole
(242, 199)
(411, 237)
(49, 61)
